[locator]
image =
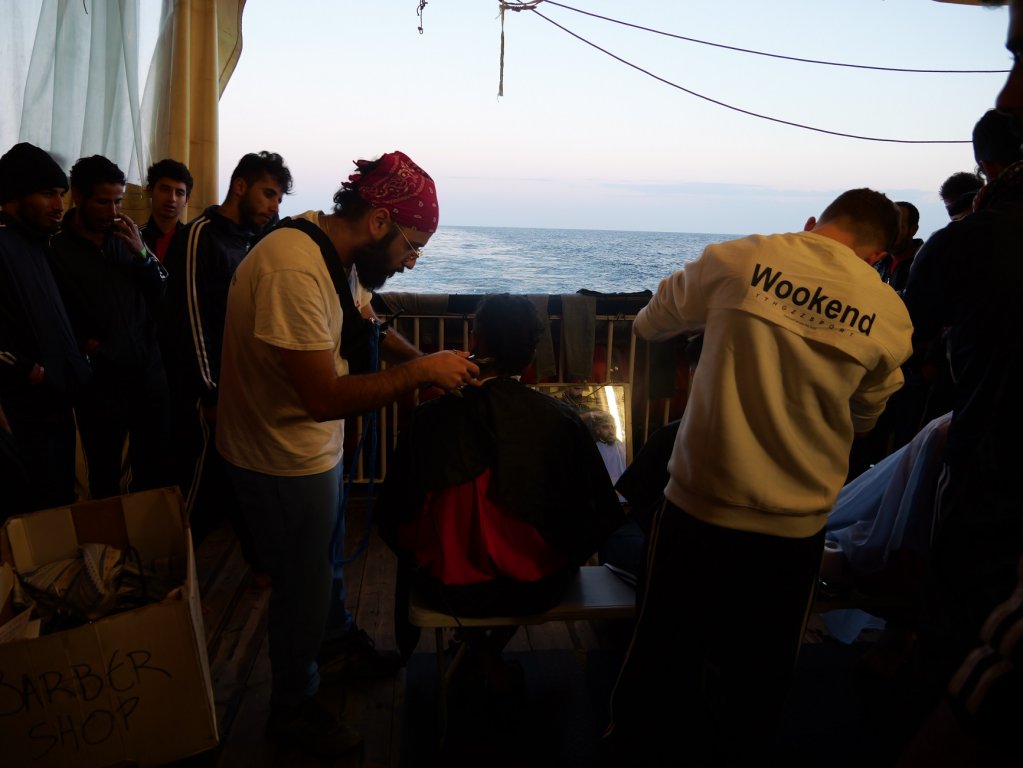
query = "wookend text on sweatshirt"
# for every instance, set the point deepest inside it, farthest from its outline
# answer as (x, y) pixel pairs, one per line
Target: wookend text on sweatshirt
(814, 305)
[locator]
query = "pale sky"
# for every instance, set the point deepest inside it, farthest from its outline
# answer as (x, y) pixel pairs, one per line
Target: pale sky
(582, 141)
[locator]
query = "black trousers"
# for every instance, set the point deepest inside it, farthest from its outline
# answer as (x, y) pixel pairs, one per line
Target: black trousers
(716, 640)
(39, 455)
(203, 477)
(120, 405)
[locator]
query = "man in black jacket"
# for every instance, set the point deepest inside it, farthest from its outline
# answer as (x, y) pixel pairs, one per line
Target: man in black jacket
(111, 285)
(201, 260)
(967, 279)
(41, 367)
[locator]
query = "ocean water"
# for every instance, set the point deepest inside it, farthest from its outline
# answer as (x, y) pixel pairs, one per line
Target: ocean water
(471, 260)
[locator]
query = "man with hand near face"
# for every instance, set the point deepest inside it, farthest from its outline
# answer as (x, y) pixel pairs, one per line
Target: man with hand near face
(201, 260)
(287, 389)
(111, 284)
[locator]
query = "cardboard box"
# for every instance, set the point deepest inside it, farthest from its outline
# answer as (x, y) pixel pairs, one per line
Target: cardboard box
(132, 687)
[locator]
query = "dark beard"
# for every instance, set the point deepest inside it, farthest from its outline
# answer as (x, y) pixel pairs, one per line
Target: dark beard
(247, 212)
(371, 262)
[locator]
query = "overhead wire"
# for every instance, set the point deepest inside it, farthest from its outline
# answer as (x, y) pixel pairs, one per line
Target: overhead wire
(776, 55)
(533, 4)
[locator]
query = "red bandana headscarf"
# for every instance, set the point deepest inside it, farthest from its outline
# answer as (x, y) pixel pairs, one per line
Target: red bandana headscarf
(396, 183)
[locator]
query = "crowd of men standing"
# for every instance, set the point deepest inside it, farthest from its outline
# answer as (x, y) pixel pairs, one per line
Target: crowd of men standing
(121, 332)
(114, 327)
(135, 333)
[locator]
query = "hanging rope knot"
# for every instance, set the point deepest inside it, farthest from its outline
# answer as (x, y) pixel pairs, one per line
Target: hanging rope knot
(518, 6)
(504, 5)
(422, 7)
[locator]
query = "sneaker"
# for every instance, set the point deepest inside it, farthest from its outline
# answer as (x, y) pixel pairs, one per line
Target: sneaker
(354, 656)
(311, 727)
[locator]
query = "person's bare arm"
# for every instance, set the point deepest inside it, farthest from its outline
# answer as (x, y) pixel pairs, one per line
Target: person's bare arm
(394, 348)
(328, 396)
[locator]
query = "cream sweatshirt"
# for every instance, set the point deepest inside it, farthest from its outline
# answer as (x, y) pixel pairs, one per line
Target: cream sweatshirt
(802, 347)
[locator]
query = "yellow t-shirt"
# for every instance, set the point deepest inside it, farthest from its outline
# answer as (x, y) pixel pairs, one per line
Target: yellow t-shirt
(281, 297)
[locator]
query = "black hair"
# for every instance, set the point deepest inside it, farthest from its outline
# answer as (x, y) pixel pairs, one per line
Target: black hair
(89, 172)
(170, 169)
(509, 328)
(912, 213)
(994, 141)
(870, 217)
(254, 166)
(348, 203)
(960, 184)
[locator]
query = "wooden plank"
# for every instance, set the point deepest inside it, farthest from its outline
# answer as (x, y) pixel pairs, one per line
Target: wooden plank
(375, 612)
(370, 704)
(223, 590)
(550, 636)
(518, 642)
(355, 524)
(370, 708)
(245, 743)
(237, 653)
(212, 554)
(397, 719)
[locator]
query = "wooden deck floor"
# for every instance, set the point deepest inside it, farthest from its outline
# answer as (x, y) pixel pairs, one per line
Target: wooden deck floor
(235, 615)
(830, 700)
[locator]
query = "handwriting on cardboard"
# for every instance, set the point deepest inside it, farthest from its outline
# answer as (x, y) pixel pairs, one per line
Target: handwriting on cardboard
(107, 695)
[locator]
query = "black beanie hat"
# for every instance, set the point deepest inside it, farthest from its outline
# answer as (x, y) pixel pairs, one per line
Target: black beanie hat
(26, 169)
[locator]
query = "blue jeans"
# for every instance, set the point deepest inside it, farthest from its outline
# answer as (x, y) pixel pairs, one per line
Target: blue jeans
(291, 520)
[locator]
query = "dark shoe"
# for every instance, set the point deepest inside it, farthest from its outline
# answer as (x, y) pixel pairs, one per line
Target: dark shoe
(354, 656)
(312, 728)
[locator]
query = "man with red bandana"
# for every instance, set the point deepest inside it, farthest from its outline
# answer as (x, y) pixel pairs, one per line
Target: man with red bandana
(286, 389)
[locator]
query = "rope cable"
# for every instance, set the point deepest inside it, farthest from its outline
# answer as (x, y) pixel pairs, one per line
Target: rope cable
(769, 55)
(730, 106)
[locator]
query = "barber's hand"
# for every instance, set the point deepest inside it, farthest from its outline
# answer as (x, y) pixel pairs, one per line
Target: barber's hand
(449, 369)
(128, 231)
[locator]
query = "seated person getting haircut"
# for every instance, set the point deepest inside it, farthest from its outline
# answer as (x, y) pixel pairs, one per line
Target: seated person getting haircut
(496, 494)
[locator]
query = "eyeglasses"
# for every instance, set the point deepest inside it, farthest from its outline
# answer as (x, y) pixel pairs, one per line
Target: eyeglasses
(417, 253)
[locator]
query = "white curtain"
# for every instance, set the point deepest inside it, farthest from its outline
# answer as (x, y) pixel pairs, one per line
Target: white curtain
(70, 83)
(71, 80)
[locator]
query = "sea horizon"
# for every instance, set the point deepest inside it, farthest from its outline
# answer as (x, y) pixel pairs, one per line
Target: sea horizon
(475, 260)
(588, 229)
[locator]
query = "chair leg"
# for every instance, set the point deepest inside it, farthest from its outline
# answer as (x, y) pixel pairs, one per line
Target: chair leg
(442, 688)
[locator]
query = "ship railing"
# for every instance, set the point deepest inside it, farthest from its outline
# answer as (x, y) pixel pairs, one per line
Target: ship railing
(655, 377)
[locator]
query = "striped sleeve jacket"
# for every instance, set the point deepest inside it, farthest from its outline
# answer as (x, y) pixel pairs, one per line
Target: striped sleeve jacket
(201, 261)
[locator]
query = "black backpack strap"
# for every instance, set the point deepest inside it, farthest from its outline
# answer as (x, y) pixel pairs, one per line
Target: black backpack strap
(352, 319)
